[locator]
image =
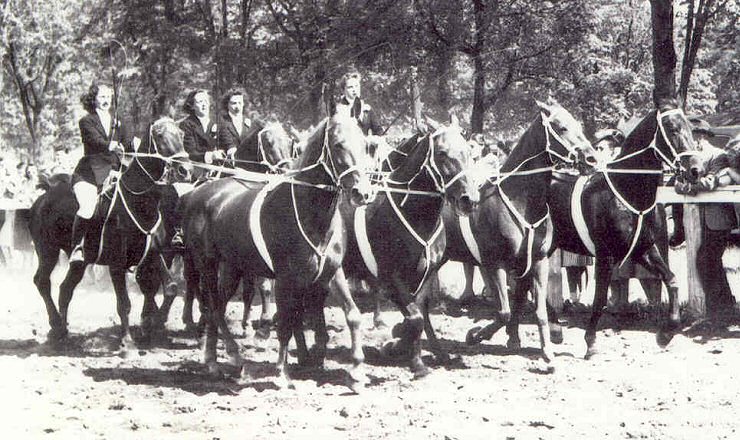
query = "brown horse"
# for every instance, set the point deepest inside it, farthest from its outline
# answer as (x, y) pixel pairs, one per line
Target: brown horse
(511, 232)
(611, 215)
(267, 149)
(130, 226)
(397, 242)
(290, 230)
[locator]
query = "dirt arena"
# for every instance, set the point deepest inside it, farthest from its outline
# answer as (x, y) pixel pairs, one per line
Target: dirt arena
(633, 390)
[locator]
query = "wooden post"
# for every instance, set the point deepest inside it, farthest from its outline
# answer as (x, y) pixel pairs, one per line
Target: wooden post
(692, 220)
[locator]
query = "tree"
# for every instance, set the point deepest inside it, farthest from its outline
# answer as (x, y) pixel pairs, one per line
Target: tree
(37, 45)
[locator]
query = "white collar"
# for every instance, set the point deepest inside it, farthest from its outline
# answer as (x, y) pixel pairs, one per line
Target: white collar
(204, 121)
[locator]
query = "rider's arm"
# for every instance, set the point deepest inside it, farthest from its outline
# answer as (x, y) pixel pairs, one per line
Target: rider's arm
(93, 140)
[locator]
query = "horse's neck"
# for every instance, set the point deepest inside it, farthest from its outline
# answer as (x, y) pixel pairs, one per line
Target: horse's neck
(639, 190)
(137, 183)
(528, 192)
(314, 207)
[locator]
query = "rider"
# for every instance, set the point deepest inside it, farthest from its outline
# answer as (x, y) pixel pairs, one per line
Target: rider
(199, 131)
(358, 108)
(103, 136)
(234, 125)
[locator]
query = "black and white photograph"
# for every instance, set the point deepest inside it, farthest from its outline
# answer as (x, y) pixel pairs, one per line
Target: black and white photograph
(369, 219)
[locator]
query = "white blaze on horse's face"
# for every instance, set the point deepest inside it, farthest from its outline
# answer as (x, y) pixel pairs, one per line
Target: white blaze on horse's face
(452, 159)
(566, 133)
(277, 145)
(167, 141)
(349, 159)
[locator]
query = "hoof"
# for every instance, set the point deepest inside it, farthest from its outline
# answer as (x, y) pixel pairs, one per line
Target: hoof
(283, 382)
(514, 344)
(473, 336)
(357, 380)
(395, 349)
(548, 355)
(556, 334)
(421, 371)
(664, 337)
(591, 352)
(398, 329)
(262, 333)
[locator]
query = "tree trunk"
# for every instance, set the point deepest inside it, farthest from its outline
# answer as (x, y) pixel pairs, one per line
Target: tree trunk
(695, 25)
(479, 85)
(416, 105)
(664, 53)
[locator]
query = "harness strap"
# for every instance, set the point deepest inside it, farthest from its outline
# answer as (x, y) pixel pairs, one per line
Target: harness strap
(640, 216)
(579, 220)
(256, 227)
(363, 243)
(425, 243)
(469, 238)
(528, 228)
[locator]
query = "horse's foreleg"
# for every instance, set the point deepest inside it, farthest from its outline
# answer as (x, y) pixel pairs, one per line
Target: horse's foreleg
(192, 289)
(264, 287)
(48, 259)
(340, 286)
(653, 261)
(519, 298)
(209, 295)
(408, 332)
(123, 304)
(315, 309)
(603, 276)
(423, 299)
(540, 276)
(148, 279)
(468, 295)
(495, 281)
(288, 299)
(229, 278)
(67, 288)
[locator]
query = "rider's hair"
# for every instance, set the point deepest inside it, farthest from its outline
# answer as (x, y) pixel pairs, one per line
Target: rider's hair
(88, 99)
(236, 91)
(189, 105)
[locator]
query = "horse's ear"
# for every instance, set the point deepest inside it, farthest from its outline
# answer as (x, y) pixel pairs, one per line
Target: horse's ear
(551, 101)
(420, 126)
(544, 108)
(454, 121)
(432, 123)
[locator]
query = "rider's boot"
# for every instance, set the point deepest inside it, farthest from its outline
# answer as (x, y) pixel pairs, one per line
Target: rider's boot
(79, 228)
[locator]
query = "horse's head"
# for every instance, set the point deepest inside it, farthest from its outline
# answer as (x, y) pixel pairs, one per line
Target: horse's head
(345, 154)
(565, 138)
(166, 140)
(674, 143)
(449, 159)
(276, 147)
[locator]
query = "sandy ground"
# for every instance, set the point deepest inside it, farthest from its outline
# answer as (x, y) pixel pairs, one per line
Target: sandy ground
(633, 390)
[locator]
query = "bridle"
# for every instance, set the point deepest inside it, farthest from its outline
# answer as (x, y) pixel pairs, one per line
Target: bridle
(657, 151)
(153, 152)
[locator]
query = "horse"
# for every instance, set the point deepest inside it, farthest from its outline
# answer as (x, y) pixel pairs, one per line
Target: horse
(511, 232)
(267, 149)
(397, 241)
(129, 232)
(611, 215)
(289, 230)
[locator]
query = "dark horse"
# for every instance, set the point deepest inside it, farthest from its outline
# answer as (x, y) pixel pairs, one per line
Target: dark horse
(267, 149)
(289, 229)
(129, 222)
(511, 233)
(611, 214)
(397, 242)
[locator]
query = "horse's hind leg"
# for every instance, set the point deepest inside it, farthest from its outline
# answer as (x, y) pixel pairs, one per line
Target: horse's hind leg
(496, 281)
(48, 259)
(603, 276)
(67, 288)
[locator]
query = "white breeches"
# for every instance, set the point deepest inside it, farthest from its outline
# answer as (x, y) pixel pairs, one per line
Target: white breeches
(87, 197)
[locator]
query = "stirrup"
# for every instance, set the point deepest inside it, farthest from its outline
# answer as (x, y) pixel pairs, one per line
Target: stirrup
(77, 254)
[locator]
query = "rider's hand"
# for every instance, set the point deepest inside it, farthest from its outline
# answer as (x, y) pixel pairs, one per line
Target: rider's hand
(219, 155)
(115, 146)
(231, 152)
(708, 183)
